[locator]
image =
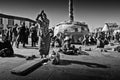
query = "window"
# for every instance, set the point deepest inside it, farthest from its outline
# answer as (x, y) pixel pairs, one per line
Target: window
(10, 22)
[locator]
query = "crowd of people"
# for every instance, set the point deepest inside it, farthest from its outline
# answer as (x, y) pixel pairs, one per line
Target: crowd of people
(19, 34)
(42, 35)
(100, 39)
(39, 33)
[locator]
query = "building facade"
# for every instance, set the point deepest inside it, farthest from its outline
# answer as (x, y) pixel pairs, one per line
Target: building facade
(8, 21)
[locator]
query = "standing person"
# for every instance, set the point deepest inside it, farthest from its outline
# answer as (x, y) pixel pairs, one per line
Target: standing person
(9, 35)
(14, 34)
(3, 34)
(6, 49)
(34, 37)
(21, 35)
(44, 36)
(27, 32)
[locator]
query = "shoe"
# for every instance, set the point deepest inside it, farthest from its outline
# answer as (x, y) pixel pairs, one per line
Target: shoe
(44, 63)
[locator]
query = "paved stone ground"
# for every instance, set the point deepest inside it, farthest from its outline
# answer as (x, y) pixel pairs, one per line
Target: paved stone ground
(95, 66)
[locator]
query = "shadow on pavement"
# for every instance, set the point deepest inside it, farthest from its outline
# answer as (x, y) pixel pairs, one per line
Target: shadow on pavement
(89, 64)
(80, 53)
(15, 55)
(30, 47)
(19, 55)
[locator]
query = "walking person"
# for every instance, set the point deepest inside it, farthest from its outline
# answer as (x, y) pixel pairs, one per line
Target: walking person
(34, 37)
(21, 35)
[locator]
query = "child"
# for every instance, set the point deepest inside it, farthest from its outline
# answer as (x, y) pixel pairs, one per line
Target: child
(55, 57)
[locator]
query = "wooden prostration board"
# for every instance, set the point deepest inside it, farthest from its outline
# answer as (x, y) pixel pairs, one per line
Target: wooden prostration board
(28, 67)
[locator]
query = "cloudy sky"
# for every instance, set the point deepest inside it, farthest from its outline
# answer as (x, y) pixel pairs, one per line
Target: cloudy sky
(94, 12)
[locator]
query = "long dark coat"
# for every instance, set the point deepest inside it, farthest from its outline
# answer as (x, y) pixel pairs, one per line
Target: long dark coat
(21, 35)
(34, 36)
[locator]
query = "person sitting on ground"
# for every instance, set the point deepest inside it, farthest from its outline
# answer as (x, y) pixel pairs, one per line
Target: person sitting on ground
(101, 44)
(6, 49)
(57, 42)
(106, 41)
(55, 57)
(67, 42)
(68, 48)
